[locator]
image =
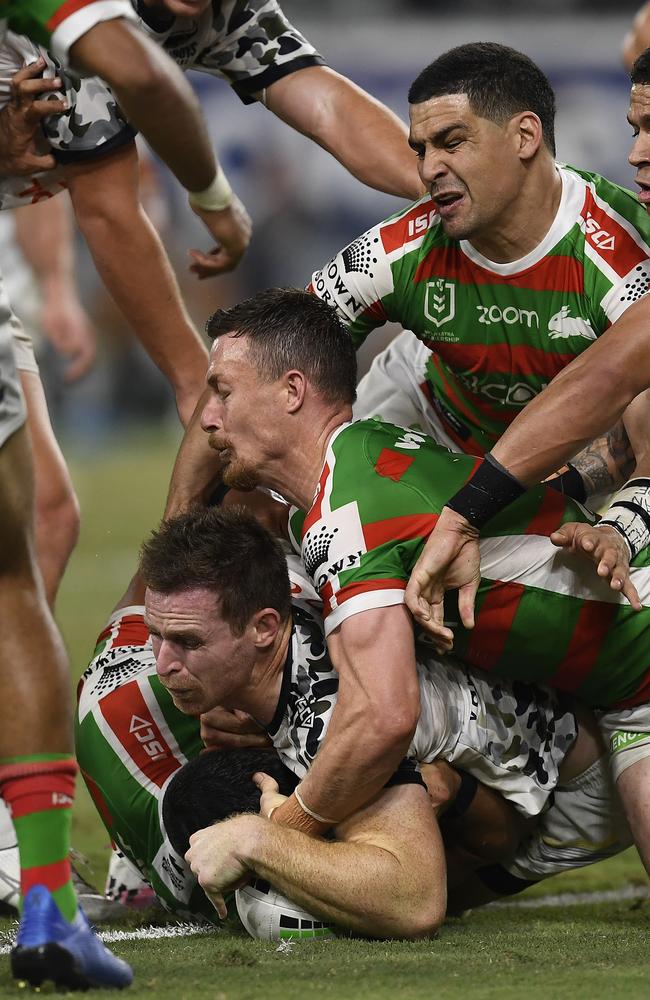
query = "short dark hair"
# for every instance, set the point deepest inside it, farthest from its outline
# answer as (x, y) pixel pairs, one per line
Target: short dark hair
(226, 551)
(217, 785)
(641, 69)
(499, 83)
(290, 328)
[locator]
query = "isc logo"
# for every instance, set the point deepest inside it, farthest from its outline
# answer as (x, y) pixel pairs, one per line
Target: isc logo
(145, 734)
(599, 237)
(421, 223)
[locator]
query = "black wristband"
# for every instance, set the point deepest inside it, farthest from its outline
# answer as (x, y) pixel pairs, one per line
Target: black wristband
(569, 484)
(490, 489)
(465, 796)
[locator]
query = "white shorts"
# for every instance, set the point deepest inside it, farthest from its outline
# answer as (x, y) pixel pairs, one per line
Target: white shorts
(626, 732)
(392, 389)
(22, 291)
(12, 404)
(585, 824)
(23, 348)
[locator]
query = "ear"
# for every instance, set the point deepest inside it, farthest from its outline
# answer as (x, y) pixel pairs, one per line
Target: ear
(528, 134)
(296, 388)
(265, 624)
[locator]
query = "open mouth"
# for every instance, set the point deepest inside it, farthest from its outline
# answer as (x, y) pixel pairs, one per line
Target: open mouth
(447, 202)
(644, 192)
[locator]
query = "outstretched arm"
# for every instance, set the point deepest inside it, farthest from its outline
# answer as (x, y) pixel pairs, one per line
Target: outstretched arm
(153, 93)
(361, 132)
(586, 399)
(134, 267)
(383, 876)
(156, 98)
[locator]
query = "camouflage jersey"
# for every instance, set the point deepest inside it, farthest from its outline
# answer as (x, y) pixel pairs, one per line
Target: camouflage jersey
(511, 737)
(130, 738)
(58, 24)
(542, 614)
(92, 127)
(250, 43)
(498, 333)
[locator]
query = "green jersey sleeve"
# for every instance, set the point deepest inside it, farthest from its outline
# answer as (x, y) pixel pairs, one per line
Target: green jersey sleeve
(58, 24)
(380, 494)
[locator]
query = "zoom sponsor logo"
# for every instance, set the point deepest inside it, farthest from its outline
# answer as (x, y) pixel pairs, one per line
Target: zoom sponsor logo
(510, 315)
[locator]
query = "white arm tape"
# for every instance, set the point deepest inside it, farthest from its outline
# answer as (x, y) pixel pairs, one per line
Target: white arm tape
(214, 198)
(629, 513)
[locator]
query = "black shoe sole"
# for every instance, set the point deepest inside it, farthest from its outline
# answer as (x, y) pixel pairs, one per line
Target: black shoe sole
(49, 961)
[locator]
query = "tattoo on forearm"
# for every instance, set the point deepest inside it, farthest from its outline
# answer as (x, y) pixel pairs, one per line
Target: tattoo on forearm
(607, 462)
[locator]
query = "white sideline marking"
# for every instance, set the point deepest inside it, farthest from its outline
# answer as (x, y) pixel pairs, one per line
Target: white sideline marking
(140, 934)
(575, 898)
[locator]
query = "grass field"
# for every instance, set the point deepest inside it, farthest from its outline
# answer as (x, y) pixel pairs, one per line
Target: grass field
(587, 951)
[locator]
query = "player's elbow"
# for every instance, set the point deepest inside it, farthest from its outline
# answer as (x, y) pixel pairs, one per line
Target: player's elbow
(396, 722)
(387, 732)
(424, 917)
(145, 84)
(416, 912)
(136, 70)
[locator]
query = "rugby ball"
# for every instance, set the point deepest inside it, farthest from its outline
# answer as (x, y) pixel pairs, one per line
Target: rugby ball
(269, 916)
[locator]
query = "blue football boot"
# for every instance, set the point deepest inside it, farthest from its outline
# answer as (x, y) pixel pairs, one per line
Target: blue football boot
(70, 954)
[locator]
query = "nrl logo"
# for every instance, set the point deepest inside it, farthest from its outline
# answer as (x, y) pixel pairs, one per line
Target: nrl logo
(440, 301)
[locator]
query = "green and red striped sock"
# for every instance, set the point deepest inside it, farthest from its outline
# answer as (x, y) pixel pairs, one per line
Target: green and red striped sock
(39, 791)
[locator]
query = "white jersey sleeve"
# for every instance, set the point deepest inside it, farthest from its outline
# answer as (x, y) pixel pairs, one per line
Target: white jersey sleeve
(249, 43)
(92, 126)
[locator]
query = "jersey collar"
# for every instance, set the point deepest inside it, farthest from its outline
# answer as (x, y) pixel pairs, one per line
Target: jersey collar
(571, 201)
(329, 458)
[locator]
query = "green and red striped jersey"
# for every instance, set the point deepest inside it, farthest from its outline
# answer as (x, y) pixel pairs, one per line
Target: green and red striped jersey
(57, 24)
(543, 614)
(498, 333)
